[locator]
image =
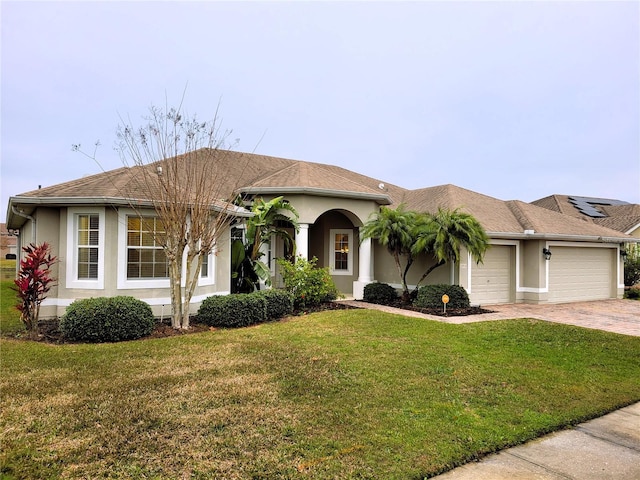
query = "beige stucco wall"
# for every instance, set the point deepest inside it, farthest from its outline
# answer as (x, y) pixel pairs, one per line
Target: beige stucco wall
(46, 230)
(533, 273)
(385, 270)
(52, 227)
(310, 207)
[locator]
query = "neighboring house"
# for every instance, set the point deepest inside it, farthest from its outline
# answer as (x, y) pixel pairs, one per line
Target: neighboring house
(8, 242)
(615, 214)
(96, 237)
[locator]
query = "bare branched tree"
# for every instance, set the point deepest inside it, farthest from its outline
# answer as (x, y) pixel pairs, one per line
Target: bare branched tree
(174, 168)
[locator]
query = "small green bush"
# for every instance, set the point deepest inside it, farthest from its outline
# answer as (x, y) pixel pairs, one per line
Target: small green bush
(279, 303)
(632, 270)
(632, 294)
(430, 296)
(309, 285)
(105, 319)
(233, 311)
(381, 293)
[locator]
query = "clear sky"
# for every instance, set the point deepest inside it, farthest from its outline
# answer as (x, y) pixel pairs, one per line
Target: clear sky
(517, 100)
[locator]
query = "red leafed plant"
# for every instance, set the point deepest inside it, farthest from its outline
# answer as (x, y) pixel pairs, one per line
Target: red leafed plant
(34, 282)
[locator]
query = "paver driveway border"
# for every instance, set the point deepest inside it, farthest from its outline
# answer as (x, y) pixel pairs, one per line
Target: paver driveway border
(614, 315)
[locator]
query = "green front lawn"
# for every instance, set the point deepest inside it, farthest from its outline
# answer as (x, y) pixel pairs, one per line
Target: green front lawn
(9, 315)
(337, 394)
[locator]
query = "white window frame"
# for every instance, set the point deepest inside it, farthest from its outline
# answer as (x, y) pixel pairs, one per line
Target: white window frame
(125, 283)
(72, 280)
(332, 251)
(211, 278)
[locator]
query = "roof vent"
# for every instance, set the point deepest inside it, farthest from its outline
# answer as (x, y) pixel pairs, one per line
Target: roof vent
(586, 205)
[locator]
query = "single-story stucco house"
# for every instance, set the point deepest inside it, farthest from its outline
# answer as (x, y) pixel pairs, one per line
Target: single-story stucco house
(90, 227)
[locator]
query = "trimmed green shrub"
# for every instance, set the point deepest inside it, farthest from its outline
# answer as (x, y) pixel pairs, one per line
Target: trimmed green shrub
(632, 294)
(279, 303)
(430, 296)
(105, 319)
(381, 293)
(233, 311)
(309, 285)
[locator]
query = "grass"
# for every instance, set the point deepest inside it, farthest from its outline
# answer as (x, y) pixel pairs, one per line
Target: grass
(334, 395)
(7, 269)
(9, 316)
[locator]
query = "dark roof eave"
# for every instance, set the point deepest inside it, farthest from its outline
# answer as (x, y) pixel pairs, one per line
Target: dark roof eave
(319, 192)
(563, 237)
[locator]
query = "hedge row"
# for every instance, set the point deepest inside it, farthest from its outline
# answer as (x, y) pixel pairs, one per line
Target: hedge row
(242, 310)
(429, 296)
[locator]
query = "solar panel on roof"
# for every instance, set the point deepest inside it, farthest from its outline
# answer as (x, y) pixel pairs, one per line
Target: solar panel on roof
(586, 205)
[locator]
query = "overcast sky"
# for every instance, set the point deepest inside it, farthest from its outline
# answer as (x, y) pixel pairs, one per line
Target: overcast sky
(517, 100)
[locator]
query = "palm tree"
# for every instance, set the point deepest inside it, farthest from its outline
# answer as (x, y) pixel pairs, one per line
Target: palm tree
(393, 229)
(443, 234)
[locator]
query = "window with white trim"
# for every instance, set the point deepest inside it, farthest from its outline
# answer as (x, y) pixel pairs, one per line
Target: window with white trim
(204, 266)
(341, 249)
(142, 261)
(85, 248)
(146, 257)
(88, 244)
(208, 268)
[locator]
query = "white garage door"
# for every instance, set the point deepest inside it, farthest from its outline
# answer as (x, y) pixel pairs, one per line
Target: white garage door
(493, 280)
(580, 274)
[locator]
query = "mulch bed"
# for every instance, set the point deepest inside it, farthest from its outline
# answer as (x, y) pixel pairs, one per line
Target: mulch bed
(49, 332)
(451, 312)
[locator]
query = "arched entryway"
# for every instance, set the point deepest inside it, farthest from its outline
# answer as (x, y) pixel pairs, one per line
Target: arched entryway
(334, 240)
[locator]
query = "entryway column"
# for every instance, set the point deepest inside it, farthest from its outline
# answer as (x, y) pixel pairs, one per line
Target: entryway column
(365, 269)
(302, 241)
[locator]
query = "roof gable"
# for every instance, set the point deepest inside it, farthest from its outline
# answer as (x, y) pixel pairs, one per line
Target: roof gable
(305, 175)
(610, 213)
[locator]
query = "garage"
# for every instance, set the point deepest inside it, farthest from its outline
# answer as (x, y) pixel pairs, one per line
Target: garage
(577, 274)
(493, 281)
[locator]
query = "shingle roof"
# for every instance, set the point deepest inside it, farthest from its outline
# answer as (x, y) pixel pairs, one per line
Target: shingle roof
(245, 172)
(621, 218)
(498, 216)
(314, 176)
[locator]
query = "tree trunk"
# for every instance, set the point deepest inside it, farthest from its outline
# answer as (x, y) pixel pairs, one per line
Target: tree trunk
(191, 281)
(405, 289)
(175, 268)
(431, 269)
(406, 296)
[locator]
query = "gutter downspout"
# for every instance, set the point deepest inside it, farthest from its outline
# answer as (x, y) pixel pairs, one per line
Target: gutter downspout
(33, 220)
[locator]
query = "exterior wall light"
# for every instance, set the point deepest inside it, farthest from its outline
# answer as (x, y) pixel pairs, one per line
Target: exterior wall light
(547, 253)
(623, 253)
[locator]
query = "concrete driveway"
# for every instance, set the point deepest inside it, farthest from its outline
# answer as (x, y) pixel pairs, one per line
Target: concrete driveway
(618, 316)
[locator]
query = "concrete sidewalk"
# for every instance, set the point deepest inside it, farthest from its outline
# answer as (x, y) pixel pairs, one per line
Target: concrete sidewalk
(607, 448)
